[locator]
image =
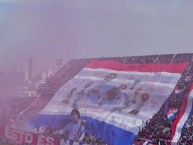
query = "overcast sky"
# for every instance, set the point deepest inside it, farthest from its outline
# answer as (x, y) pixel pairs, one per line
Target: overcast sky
(49, 29)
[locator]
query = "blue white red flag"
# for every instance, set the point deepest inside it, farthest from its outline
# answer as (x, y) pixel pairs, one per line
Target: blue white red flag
(170, 115)
(185, 112)
(178, 91)
(173, 110)
(114, 98)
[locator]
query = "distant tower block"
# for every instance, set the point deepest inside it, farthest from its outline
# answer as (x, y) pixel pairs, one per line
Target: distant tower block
(33, 68)
(58, 62)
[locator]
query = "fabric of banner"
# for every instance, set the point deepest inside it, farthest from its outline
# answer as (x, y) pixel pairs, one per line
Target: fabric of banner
(114, 98)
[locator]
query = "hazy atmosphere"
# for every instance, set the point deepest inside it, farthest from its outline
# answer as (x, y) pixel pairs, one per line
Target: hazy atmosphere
(96, 72)
(50, 29)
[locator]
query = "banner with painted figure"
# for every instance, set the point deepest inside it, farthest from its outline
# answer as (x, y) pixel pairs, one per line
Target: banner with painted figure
(112, 98)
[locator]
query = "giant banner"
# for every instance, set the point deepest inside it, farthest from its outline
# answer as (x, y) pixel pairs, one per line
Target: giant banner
(112, 98)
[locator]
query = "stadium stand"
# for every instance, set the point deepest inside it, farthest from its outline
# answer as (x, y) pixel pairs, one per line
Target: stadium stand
(157, 130)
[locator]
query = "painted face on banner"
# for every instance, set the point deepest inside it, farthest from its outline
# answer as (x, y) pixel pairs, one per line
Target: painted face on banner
(75, 117)
(145, 97)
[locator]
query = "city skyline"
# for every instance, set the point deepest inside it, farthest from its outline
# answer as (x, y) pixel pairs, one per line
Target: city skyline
(25, 66)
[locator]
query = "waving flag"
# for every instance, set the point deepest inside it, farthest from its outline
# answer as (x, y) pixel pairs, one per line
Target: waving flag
(173, 110)
(170, 115)
(146, 143)
(178, 91)
(186, 111)
(114, 98)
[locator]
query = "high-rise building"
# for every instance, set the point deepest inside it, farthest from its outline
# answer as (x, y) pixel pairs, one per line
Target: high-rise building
(33, 68)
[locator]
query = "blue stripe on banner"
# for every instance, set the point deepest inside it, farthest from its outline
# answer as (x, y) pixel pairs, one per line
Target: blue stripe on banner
(109, 133)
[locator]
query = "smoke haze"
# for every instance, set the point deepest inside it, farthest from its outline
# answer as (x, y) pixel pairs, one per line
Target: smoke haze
(50, 29)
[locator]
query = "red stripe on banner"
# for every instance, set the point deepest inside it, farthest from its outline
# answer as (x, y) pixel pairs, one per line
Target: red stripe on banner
(183, 108)
(171, 67)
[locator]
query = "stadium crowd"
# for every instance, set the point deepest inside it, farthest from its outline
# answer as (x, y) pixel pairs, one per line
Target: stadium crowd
(157, 130)
(187, 134)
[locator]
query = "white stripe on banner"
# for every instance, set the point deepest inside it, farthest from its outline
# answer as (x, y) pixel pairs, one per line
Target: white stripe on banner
(170, 85)
(164, 77)
(126, 100)
(183, 119)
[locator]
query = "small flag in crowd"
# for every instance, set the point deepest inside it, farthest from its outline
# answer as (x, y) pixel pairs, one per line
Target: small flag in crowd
(173, 110)
(170, 115)
(178, 91)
